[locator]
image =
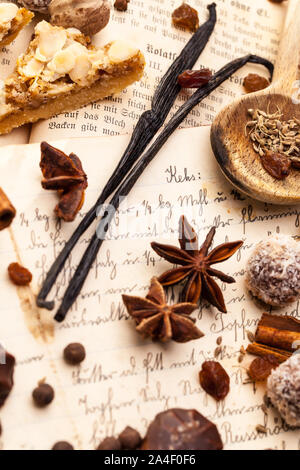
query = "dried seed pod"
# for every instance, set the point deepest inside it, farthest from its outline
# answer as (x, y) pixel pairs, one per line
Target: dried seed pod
(65, 174)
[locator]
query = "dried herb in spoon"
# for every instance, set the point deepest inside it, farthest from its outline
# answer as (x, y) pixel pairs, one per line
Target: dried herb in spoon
(146, 128)
(124, 189)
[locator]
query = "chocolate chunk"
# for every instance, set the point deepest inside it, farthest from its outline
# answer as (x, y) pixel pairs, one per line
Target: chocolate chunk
(130, 438)
(62, 445)
(74, 353)
(178, 429)
(110, 443)
(43, 395)
(6, 375)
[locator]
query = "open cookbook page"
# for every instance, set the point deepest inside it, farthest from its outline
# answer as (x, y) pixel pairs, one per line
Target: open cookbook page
(243, 28)
(125, 380)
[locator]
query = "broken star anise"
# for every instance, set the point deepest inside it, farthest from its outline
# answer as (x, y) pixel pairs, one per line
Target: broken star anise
(160, 321)
(65, 174)
(196, 265)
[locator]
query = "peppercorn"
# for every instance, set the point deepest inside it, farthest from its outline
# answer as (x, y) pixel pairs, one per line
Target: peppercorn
(110, 443)
(62, 445)
(74, 353)
(130, 438)
(43, 395)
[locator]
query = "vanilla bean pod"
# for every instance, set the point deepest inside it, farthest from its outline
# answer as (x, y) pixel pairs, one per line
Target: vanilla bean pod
(146, 128)
(92, 250)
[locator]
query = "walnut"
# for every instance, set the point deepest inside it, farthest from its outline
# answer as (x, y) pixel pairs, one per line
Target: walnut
(36, 5)
(89, 16)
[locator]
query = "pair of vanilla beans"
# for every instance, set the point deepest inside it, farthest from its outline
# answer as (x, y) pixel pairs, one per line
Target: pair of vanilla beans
(134, 161)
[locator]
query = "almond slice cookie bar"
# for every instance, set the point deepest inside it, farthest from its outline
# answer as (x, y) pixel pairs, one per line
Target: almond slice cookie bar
(12, 21)
(62, 71)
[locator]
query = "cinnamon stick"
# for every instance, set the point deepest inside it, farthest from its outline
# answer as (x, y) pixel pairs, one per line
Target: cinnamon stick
(7, 211)
(278, 336)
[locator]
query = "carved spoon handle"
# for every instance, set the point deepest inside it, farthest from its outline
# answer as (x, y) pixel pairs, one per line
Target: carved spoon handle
(286, 67)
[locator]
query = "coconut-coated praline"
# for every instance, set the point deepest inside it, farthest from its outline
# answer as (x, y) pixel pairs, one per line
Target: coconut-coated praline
(284, 390)
(273, 271)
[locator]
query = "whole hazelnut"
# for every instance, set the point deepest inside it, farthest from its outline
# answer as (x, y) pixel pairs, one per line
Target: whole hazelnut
(89, 16)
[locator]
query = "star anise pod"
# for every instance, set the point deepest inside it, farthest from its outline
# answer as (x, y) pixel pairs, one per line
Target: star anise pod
(65, 174)
(196, 264)
(160, 321)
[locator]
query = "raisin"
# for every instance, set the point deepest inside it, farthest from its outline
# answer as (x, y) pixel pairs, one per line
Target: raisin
(214, 380)
(276, 164)
(121, 5)
(254, 82)
(19, 275)
(261, 368)
(194, 78)
(186, 17)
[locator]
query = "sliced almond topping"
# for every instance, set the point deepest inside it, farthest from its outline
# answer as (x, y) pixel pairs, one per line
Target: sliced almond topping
(32, 69)
(51, 40)
(81, 69)
(63, 62)
(120, 51)
(7, 12)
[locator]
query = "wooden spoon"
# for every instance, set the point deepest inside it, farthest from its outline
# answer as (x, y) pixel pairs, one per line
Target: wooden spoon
(233, 149)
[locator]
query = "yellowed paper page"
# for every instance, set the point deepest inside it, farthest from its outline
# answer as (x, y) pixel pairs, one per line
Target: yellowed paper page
(243, 28)
(126, 380)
